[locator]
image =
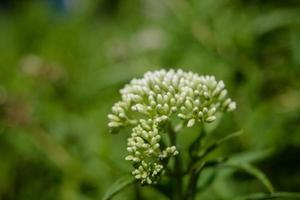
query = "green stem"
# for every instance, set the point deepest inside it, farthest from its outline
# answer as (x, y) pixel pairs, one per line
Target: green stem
(177, 168)
(138, 194)
(194, 176)
(192, 185)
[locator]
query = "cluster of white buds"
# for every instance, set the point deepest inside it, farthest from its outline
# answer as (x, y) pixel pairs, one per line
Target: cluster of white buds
(148, 103)
(148, 173)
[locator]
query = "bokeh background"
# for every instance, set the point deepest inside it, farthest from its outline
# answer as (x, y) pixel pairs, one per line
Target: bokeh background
(62, 63)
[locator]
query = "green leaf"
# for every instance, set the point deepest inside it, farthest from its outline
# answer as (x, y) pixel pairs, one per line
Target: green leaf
(250, 169)
(216, 144)
(276, 195)
(118, 186)
(251, 156)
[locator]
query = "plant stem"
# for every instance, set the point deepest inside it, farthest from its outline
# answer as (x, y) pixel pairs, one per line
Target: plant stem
(192, 185)
(177, 169)
(195, 172)
(138, 195)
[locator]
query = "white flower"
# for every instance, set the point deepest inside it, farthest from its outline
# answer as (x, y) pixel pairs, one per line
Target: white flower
(150, 102)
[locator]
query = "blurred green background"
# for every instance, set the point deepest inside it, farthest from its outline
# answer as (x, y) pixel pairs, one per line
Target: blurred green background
(62, 64)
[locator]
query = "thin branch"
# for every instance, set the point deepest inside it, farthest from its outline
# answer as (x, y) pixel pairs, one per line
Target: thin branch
(195, 173)
(196, 160)
(216, 144)
(192, 185)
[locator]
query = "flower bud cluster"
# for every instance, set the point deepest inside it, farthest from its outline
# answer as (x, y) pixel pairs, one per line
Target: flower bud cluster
(144, 146)
(147, 173)
(148, 103)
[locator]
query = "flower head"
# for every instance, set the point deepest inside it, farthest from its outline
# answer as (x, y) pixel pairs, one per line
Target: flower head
(149, 103)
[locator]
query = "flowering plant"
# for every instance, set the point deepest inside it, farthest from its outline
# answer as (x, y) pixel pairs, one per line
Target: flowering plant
(148, 105)
(156, 107)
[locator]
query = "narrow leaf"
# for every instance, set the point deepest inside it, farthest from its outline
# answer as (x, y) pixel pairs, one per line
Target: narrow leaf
(251, 156)
(118, 186)
(250, 169)
(216, 144)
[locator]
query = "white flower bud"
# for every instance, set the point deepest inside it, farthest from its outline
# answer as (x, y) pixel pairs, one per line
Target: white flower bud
(231, 106)
(160, 99)
(113, 117)
(114, 124)
(191, 122)
(210, 119)
(222, 95)
(211, 111)
(182, 116)
(188, 104)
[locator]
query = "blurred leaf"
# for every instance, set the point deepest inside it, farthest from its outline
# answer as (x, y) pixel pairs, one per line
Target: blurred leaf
(276, 19)
(276, 195)
(250, 169)
(202, 154)
(251, 156)
(118, 186)
(219, 142)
